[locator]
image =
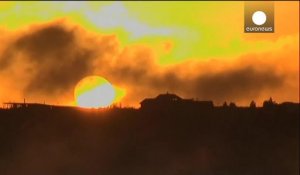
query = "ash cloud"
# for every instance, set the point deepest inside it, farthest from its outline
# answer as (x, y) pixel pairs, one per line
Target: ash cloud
(227, 85)
(58, 61)
(58, 55)
(237, 84)
(49, 59)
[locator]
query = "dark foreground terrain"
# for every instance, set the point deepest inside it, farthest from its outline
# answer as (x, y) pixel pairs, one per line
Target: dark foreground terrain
(177, 141)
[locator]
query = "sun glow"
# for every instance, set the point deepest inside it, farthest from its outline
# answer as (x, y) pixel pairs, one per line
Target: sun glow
(94, 92)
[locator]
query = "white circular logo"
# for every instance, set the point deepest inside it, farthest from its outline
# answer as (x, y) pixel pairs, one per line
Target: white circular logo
(259, 17)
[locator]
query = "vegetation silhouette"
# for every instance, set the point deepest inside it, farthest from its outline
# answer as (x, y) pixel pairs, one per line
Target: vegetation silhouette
(168, 135)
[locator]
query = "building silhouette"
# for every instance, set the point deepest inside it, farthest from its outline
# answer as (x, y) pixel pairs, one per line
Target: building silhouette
(171, 101)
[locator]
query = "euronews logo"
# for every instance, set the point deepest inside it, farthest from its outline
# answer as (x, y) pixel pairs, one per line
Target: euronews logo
(259, 17)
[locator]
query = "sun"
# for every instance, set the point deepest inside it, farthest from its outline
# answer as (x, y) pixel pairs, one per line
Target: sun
(94, 92)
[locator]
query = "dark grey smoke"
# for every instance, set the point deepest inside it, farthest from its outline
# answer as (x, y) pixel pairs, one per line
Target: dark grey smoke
(61, 55)
(229, 84)
(237, 84)
(57, 57)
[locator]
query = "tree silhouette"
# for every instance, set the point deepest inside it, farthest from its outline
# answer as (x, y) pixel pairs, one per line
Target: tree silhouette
(232, 105)
(269, 103)
(252, 104)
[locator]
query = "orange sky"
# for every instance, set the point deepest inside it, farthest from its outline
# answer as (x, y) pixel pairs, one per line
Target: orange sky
(194, 49)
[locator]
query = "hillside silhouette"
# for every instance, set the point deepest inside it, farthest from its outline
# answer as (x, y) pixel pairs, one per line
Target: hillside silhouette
(168, 135)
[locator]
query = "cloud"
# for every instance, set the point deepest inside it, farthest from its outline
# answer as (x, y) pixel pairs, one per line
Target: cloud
(116, 15)
(56, 57)
(47, 60)
(58, 62)
(203, 80)
(237, 84)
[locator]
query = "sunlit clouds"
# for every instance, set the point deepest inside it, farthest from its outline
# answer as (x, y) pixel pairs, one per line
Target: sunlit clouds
(117, 16)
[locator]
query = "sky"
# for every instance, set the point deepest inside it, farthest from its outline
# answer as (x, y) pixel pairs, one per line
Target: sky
(194, 49)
